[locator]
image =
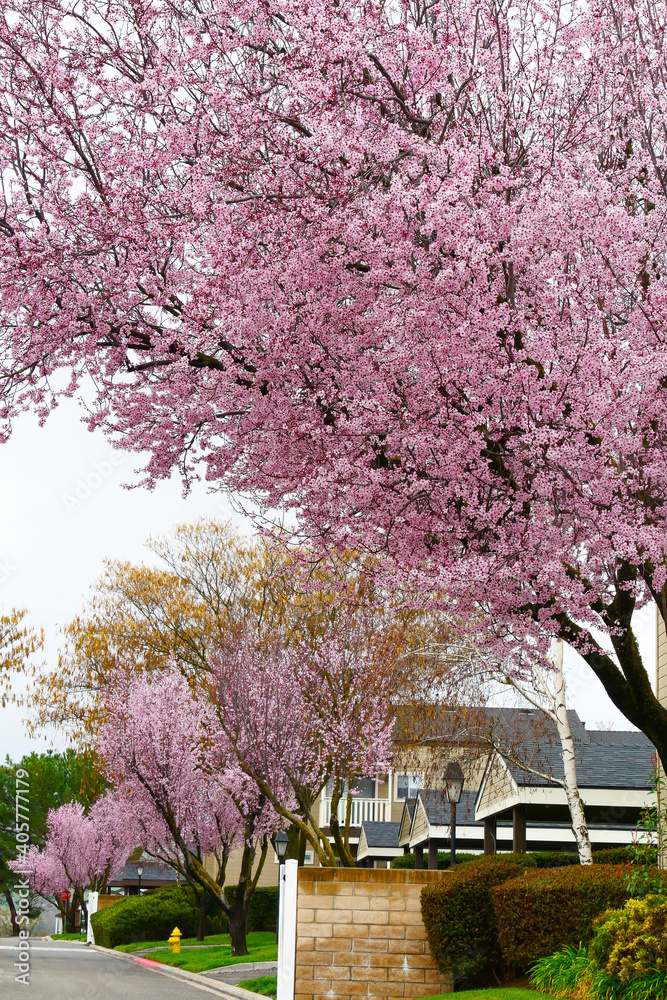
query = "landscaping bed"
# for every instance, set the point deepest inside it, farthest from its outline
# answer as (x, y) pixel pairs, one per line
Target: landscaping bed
(261, 945)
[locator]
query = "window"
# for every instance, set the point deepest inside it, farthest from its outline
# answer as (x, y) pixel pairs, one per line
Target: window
(407, 785)
(363, 788)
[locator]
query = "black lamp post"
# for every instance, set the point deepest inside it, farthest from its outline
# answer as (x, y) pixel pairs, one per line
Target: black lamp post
(454, 781)
(140, 872)
(280, 847)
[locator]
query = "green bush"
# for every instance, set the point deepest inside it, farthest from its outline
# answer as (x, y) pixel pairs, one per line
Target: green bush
(632, 942)
(570, 973)
(444, 860)
(147, 918)
(153, 917)
(554, 859)
(549, 908)
(459, 917)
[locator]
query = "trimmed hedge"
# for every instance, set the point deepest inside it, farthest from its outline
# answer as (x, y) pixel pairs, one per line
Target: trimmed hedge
(460, 920)
(547, 909)
(153, 917)
(444, 860)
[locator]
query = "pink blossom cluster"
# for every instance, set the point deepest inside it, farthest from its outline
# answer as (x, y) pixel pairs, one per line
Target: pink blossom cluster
(401, 266)
(294, 718)
(81, 851)
(158, 746)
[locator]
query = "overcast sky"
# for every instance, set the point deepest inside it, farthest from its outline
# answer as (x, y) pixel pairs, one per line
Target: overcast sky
(64, 510)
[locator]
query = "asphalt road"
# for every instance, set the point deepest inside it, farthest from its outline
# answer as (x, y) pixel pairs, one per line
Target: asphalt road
(64, 970)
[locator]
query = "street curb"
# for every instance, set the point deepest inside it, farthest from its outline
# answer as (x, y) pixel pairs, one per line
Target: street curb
(223, 989)
(249, 966)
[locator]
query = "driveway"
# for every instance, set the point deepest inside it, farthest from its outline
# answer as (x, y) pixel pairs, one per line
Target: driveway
(65, 970)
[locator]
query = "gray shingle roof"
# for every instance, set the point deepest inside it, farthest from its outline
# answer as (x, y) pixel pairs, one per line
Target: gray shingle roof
(439, 810)
(603, 760)
(381, 834)
(468, 722)
(153, 871)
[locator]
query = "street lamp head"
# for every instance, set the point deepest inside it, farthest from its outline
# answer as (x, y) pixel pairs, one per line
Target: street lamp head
(454, 781)
(280, 845)
(140, 870)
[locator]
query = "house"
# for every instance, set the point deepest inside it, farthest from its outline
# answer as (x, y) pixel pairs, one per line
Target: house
(615, 777)
(154, 875)
(406, 809)
(378, 844)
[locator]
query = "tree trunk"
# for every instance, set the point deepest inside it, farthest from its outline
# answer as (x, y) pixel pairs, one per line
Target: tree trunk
(201, 919)
(12, 913)
(577, 814)
(237, 926)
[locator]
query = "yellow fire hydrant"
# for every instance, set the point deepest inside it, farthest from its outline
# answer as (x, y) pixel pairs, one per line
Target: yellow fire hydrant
(175, 941)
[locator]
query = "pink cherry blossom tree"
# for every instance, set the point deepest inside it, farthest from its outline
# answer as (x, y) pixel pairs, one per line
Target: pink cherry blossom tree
(401, 266)
(158, 748)
(81, 852)
(297, 718)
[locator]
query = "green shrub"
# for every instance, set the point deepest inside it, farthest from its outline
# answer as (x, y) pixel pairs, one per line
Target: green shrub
(554, 859)
(459, 917)
(147, 918)
(632, 942)
(549, 908)
(568, 973)
(444, 859)
(153, 917)
(263, 907)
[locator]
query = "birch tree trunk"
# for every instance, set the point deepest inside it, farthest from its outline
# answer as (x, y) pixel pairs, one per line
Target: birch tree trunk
(570, 782)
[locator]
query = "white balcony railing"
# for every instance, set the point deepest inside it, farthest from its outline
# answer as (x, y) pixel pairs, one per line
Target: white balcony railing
(372, 810)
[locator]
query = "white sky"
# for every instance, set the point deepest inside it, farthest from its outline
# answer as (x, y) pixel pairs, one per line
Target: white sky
(63, 510)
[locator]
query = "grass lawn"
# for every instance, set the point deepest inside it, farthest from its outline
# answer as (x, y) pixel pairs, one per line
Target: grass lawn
(69, 937)
(502, 993)
(266, 985)
(261, 945)
(212, 939)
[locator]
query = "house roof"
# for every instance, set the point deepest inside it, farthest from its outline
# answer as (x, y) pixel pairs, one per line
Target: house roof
(475, 723)
(439, 811)
(153, 871)
(381, 834)
(603, 760)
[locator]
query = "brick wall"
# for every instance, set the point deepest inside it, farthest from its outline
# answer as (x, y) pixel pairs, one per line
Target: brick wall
(360, 934)
(104, 901)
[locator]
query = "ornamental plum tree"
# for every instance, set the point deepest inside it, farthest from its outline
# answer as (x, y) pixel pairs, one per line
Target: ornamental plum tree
(295, 718)
(81, 852)
(398, 265)
(157, 745)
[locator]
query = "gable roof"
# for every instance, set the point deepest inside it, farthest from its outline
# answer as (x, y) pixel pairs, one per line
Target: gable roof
(603, 760)
(439, 811)
(425, 723)
(380, 834)
(152, 871)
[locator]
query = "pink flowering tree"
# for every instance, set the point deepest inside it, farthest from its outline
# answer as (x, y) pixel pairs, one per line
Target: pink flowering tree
(401, 266)
(297, 718)
(158, 747)
(81, 852)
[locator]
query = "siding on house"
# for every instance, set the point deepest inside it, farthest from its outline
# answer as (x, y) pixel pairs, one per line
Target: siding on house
(498, 785)
(420, 828)
(269, 874)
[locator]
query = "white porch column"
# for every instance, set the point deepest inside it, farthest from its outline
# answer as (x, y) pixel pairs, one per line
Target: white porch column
(91, 906)
(289, 876)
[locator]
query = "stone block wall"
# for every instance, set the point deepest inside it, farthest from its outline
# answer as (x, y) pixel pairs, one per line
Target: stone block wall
(360, 934)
